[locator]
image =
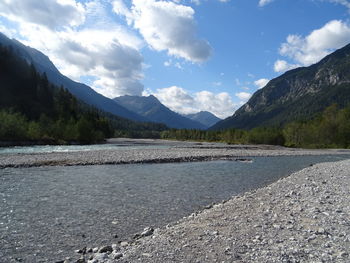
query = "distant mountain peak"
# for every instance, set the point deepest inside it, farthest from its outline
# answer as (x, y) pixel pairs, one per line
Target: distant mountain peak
(151, 108)
(205, 117)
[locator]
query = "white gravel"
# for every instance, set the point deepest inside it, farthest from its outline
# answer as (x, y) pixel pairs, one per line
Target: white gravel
(174, 154)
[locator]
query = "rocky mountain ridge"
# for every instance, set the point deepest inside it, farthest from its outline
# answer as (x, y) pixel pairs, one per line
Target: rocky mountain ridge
(297, 94)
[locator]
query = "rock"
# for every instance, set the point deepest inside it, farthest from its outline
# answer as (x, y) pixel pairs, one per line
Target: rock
(101, 256)
(117, 255)
(124, 244)
(147, 255)
(148, 231)
(343, 254)
(115, 247)
(320, 231)
(81, 251)
(105, 249)
(81, 260)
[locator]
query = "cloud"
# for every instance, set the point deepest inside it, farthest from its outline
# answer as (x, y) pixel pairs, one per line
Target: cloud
(260, 83)
(282, 66)
(170, 63)
(52, 14)
(244, 96)
(264, 2)
(319, 43)
(304, 51)
(179, 100)
(176, 98)
(168, 26)
(341, 2)
(99, 49)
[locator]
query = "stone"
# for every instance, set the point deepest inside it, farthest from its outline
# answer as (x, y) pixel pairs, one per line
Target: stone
(148, 231)
(101, 256)
(117, 255)
(147, 255)
(320, 231)
(105, 249)
(124, 244)
(81, 260)
(115, 247)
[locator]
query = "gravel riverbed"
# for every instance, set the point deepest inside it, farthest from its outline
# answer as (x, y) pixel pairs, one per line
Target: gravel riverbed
(301, 218)
(202, 152)
(304, 217)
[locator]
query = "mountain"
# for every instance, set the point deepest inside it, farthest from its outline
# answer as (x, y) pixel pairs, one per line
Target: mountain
(298, 94)
(33, 110)
(151, 108)
(206, 118)
(83, 92)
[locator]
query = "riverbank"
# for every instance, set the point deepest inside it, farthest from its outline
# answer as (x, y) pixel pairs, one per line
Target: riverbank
(300, 218)
(174, 152)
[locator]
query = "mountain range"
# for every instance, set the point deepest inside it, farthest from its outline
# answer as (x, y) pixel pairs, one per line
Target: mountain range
(148, 110)
(298, 94)
(83, 92)
(204, 117)
(151, 108)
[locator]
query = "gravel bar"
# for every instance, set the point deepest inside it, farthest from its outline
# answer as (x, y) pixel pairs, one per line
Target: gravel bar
(301, 218)
(174, 154)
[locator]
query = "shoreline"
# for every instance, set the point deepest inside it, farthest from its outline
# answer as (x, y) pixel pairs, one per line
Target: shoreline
(179, 152)
(303, 217)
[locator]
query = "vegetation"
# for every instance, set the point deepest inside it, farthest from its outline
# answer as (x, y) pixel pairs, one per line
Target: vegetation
(32, 109)
(330, 129)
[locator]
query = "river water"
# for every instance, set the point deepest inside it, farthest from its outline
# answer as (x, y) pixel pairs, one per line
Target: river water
(48, 212)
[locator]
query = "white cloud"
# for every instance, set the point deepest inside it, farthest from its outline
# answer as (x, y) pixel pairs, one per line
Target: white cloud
(179, 100)
(99, 48)
(176, 98)
(120, 8)
(319, 43)
(282, 66)
(49, 13)
(244, 96)
(345, 3)
(264, 2)
(260, 83)
(168, 26)
(170, 63)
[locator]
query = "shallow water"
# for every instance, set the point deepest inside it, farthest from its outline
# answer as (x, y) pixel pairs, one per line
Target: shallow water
(48, 212)
(74, 148)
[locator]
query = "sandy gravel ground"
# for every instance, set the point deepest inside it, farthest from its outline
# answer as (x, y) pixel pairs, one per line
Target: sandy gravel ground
(302, 218)
(192, 152)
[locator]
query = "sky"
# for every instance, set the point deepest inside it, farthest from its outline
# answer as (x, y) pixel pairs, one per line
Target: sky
(192, 55)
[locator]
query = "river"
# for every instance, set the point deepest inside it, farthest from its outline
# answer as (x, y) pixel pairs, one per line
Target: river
(48, 212)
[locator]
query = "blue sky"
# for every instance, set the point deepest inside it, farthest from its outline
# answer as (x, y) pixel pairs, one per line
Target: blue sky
(192, 54)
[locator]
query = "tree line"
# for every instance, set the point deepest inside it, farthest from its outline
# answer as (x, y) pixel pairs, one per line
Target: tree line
(330, 129)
